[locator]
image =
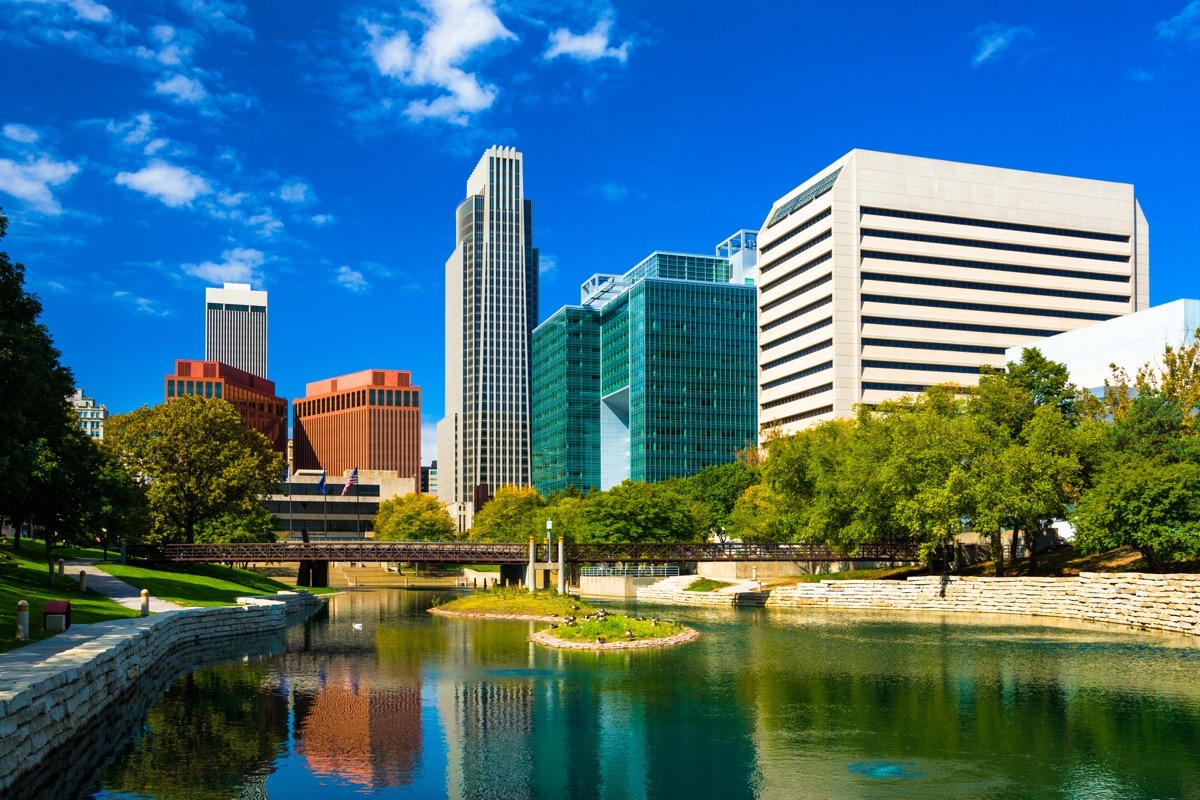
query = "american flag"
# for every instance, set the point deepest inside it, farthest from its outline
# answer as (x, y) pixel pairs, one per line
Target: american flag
(353, 479)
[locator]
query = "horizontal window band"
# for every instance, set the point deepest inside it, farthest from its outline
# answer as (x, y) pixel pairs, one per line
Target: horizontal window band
(986, 307)
(816, 412)
(893, 387)
(871, 363)
(791, 398)
(804, 198)
(1003, 226)
(803, 226)
(957, 348)
(805, 267)
(799, 313)
(813, 242)
(995, 287)
(802, 332)
(795, 376)
(957, 326)
(1013, 248)
(792, 295)
(994, 267)
(808, 351)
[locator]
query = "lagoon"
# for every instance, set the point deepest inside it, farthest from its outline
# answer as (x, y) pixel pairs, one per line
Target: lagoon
(374, 697)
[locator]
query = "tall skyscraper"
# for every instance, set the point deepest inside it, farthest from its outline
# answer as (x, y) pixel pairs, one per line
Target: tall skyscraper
(885, 274)
(491, 310)
(235, 327)
(652, 376)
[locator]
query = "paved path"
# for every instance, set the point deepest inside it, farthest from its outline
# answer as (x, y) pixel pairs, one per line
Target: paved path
(100, 581)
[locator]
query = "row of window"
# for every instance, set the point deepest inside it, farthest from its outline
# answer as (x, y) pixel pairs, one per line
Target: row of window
(1033, 312)
(804, 198)
(796, 335)
(988, 265)
(1015, 248)
(808, 351)
(816, 412)
(867, 363)
(813, 242)
(800, 313)
(795, 376)
(994, 287)
(398, 398)
(987, 223)
(893, 387)
(237, 307)
(808, 223)
(957, 326)
(792, 295)
(206, 389)
(805, 267)
(825, 387)
(957, 348)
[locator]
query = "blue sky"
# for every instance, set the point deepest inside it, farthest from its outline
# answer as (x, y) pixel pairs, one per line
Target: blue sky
(318, 150)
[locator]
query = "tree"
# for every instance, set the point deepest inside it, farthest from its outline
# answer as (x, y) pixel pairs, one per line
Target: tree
(757, 517)
(717, 488)
(512, 515)
(198, 460)
(641, 512)
(34, 388)
(568, 512)
(249, 522)
(414, 518)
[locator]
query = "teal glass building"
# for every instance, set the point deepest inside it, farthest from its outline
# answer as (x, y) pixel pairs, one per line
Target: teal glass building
(653, 376)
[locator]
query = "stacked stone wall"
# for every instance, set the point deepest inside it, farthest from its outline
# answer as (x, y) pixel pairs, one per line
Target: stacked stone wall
(52, 690)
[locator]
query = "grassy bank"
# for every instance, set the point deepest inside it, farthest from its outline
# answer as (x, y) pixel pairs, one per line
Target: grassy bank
(503, 600)
(616, 629)
(707, 585)
(200, 584)
(23, 576)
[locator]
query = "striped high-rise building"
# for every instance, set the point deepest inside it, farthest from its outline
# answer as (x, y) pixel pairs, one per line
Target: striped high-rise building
(884, 274)
(235, 327)
(491, 310)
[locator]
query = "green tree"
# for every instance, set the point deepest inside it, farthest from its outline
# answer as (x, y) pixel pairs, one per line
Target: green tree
(34, 387)
(717, 488)
(249, 522)
(512, 515)
(63, 497)
(641, 512)
(757, 517)
(569, 514)
(414, 518)
(198, 460)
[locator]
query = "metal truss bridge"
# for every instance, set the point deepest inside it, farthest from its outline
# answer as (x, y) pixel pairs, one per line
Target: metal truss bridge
(514, 553)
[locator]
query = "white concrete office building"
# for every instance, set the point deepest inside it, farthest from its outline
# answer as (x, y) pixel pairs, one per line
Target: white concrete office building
(883, 275)
(91, 416)
(1129, 342)
(491, 310)
(235, 327)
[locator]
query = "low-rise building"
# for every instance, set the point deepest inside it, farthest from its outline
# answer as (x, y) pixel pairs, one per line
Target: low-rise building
(253, 397)
(91, 416)
(338, 512)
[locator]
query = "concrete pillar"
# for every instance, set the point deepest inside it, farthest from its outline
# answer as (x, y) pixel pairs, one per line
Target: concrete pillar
(62, 568)
(532, 573)
(83, 580)
(145, 602)
(562, 572)
(22, 620)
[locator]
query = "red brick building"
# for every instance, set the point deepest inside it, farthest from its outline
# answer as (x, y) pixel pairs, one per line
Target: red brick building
(369, 419)
(253, 397)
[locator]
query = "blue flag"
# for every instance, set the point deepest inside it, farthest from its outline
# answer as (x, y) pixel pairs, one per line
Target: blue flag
(321, 483)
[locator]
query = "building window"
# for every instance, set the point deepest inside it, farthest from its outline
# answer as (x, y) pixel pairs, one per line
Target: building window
(993, 287)
(371, 397)
(988, 265)
(191, 387)
(1004, 226)
(813, 242)
(808, 223)
(795, 376)
(170, 388)
(956, 326)
(957, 348)
(208, 389)
(217, 389)
(804, 198)
(1033, 312)
(893, 387)
(1012, 248)
(868, 363)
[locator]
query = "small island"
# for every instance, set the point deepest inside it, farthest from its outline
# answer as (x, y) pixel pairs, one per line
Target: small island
(574, 623)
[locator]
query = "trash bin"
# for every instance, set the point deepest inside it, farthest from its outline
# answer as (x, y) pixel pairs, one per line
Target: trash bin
(56, 615)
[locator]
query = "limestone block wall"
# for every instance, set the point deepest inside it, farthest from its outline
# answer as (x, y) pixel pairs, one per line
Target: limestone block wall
(53, 689)
(672, 591)
(1161, 602)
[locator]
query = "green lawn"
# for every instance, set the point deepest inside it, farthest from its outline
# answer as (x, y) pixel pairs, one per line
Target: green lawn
(615, 628)
(199, 584)
(23, 576)
(503, 600)
(706, 585)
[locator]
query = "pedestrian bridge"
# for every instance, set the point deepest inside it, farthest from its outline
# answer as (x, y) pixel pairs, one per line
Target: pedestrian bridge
(515, 553)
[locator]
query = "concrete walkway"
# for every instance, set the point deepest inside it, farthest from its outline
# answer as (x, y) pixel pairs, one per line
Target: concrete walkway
(115, 588)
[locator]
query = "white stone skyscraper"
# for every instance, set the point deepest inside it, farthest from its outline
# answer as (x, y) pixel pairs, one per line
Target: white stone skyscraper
(235, 327)
(491, 311)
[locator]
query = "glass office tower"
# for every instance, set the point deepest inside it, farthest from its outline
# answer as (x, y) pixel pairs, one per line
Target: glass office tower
(652, 376)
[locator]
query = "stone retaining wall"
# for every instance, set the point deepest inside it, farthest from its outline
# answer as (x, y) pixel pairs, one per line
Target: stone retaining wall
(52, 690)
(680, 597)
(1161, 602)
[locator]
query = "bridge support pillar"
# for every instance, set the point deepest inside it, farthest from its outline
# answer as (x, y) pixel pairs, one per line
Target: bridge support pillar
(531, 575)
(313, 573)
(562, 572)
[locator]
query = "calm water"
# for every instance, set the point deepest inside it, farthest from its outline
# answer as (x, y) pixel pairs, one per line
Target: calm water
(765, 705)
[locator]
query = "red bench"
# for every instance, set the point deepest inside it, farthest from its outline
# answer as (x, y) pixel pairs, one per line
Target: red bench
(60, 608)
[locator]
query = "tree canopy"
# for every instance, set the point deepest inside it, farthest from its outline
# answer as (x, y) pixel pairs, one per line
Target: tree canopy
(414, 518)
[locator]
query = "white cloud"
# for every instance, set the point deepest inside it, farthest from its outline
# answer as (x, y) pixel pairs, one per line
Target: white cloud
(1184, 26)
(266, 222)
(352, 279)
(296, 192)
(135, 131)
(591, 46)
(459, 29)
(20, 133)
(31, 181)
(231, 199)
(240, 265)
(993, 39)
(547, 264)
(321, 220)
(182, 88)
(613, 191)
(174, 186)
(220, 16)
(91, 10)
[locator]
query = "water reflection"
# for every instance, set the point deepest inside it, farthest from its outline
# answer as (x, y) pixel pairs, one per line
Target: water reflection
(378, 698)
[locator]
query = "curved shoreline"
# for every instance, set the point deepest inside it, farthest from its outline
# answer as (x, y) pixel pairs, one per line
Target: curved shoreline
(486, 615)
(544, 637)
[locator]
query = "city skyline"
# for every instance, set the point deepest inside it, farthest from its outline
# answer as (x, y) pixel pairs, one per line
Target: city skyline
(155, 150)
